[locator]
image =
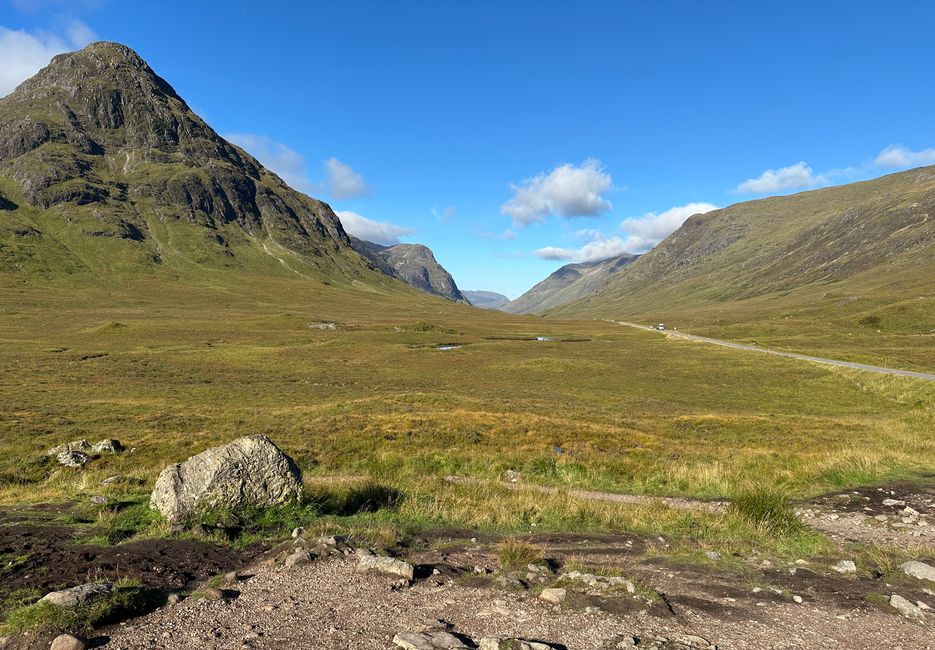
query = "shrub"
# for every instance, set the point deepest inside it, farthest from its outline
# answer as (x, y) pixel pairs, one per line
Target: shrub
(513, 553)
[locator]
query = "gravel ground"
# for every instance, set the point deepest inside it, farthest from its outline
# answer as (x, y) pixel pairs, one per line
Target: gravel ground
(327, 605)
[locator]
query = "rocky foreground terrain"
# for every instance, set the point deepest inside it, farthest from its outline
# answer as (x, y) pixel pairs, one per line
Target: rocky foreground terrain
(454, 589)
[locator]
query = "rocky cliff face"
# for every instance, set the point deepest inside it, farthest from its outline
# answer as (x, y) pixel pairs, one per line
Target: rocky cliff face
(414, 264)
(102, 143)
(567, 284)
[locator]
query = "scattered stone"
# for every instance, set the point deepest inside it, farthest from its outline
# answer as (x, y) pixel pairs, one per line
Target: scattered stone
(99, 500)
(797, 599)
(249, 471)
(692, 641)
(506, 643)
(712, 555)
(882, 518)
(845, 566)
(299, 557)
(220, 594)
(72, 459)
(297, 533)
(429, 641)
(68, 642)
(75, 445)
(511, 475)
(80, 595)
(109, 446)
(173, 599)
(555, 595)
(600, 582)
(387, 565)
(906, 608)
(919, 570)
(893, 502)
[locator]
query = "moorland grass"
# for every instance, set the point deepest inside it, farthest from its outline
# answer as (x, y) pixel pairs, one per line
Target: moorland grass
(192, 365)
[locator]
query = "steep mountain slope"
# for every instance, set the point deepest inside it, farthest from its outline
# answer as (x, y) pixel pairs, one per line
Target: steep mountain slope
(840, 268)
(486, 299)
(104, 170)
(414, 264)
(567, 284)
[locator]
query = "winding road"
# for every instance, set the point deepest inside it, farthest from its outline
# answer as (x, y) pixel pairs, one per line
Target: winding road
(791, 355)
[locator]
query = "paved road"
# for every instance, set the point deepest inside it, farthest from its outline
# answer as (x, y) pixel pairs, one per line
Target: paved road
(791, 355)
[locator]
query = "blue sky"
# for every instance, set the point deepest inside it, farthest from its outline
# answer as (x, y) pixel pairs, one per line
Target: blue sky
(513, 137)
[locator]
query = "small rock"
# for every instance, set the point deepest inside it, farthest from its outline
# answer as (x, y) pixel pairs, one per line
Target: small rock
(387, 565)
(109, 446)
(173, 600)
(845, 566)
(554, 595)
(299, 557)
(68, 642)
(220, 594)
(712, 555)
(297, 532)
(80, 595)
(797, 599)
(99, 500)
(919, 570)
(511, 475)
(882, 518)
(893, 502)
(75, 445)
(72, 459)
(906, 608)
(428, 641)
(506, 643)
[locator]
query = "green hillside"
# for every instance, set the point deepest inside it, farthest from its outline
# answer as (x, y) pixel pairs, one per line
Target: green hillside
(846, 271)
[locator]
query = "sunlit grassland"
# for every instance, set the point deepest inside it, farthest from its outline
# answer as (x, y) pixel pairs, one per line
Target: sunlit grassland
(171, 370)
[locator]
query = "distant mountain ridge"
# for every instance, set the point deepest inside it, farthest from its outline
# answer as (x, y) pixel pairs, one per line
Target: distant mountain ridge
(838, 249)
(486, 299)
(414, 264)
(569, 283)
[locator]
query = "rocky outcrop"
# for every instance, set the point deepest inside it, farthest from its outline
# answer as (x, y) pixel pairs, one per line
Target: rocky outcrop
(414, 264)
(108, 147)
(248, 472)
(78, 596)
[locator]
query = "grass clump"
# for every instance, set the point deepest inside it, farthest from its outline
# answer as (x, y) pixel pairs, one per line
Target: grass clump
(514, 553)
(128, 598)
(770, 510)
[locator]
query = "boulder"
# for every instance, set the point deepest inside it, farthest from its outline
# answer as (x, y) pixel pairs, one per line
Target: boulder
(248, 472)
(387, 565)
(80, 595)
(109, 446)
(845, 566)
(919, 570)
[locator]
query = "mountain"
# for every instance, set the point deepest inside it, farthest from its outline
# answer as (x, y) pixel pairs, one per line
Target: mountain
(414, 264)
(858, 253)
(486, 299)
(567, 284)
(104, 170)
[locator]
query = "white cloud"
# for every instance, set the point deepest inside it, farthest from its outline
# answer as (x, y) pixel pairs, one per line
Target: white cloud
(797, 176)
(598, 247)
(648, 230)
(444, 215)
(342, 182)
(378, 232)
(895, 156)
(24, 53)
(286, 162)
(567, 191)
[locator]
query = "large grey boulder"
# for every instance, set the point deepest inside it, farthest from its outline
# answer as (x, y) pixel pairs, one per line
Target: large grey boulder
(75, 445)
(386, 565)
(247, 472)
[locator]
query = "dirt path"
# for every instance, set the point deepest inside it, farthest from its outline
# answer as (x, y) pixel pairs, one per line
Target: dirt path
(327, 605)
(791, 355)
